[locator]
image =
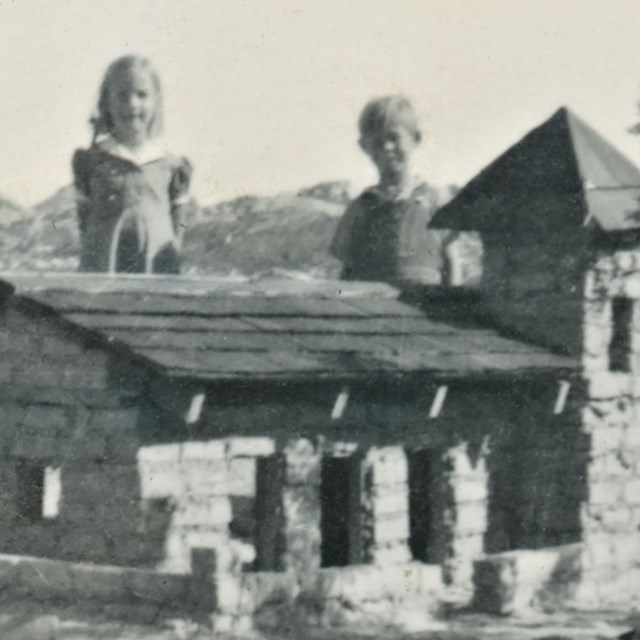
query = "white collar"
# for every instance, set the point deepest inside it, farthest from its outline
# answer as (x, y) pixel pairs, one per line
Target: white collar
(151, 150)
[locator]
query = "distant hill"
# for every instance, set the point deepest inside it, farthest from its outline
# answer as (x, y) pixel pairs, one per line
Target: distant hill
(258, 234)
(249, 235)
(10, 211)
(43, 238)
(245, 235)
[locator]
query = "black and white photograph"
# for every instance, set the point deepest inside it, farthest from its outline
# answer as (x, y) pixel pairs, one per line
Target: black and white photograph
(319, 319)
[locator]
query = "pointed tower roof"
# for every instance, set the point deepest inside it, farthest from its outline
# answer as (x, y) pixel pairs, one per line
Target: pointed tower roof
(561, 174)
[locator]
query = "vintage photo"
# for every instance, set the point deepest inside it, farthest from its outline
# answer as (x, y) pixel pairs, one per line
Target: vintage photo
(319, 319)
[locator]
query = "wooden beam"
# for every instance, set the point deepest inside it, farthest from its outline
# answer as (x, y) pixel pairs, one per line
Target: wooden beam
(438, 401)
(195, 408)
(340, 404)
(563, 392)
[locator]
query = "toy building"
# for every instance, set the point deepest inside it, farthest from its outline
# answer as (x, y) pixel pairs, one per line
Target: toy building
(344, 452)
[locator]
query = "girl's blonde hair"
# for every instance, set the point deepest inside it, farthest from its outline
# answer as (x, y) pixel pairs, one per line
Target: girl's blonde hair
(102, 122)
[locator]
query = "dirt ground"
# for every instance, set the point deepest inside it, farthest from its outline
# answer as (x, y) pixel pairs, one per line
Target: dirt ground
(25, 621)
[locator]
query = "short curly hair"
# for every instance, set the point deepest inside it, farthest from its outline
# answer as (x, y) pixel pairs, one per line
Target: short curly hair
(381, 113)
(102, 122)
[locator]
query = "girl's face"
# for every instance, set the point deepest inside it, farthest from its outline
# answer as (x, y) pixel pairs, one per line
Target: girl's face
(132, 105)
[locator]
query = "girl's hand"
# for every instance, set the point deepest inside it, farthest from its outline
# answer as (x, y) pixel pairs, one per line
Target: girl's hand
(181, 180)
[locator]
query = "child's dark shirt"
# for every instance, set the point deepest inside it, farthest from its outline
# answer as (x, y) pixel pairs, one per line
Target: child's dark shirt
(384, 239)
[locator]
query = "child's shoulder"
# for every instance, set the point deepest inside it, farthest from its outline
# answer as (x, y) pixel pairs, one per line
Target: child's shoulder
(418, 191)
(179, 164)
(426, 194)
(85, 162)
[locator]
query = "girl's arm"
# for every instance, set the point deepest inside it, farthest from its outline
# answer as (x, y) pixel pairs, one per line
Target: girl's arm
(181, 203)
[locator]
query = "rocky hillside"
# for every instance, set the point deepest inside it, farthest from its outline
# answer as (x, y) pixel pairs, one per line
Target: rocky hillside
(245, 235)
(248, 235)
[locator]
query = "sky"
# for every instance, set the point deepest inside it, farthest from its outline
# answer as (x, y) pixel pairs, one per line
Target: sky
(263, 96)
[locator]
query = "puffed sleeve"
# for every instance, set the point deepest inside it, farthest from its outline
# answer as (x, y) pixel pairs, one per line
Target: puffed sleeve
(180, 182)
(81, 165)
(179, 196)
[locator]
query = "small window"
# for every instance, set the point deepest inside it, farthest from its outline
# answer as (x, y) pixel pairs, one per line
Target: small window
(343, 521)
(620, 345)
(421, 505)
(269, 514)
(38, 492)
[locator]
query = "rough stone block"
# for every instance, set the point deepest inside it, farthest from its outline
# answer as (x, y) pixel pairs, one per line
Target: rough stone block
(393, 527)
(471, 517)
(205, 477)
(230, 596)
(605, 439)
(253, 447)
(596, 338)
(468, 546)
(352, 585)
(626, 550)
(599, 551)
(632, 435)
(148, 586)
(88, 378)
(160, 453)
(242, 477)
(460, 463)
(395, 502)
(207, 450)
(605, 493)
(162, 482)
(302, 463)
(108, 584)
(269, 587)
(609, 384)
(46, 417)
(616, 519)
(384, 555)
(389, 465)
(511, 582)
(44, 579)
(632, 492)
(113, 419)
(203, 511)
(593, 364)
(470, 490)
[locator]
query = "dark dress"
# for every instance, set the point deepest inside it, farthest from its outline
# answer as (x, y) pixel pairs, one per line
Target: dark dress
(129, 214)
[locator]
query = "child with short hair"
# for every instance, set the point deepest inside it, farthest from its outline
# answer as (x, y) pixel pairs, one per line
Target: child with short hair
(131, 192)
(382, 235)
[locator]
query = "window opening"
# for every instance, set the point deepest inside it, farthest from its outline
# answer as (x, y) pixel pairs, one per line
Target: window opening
(620, 345)
(421, 504)
(269, 514)
(343, 511)
(39, 490)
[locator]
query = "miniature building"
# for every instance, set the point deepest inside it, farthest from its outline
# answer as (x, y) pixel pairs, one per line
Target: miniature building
(341, 452)
(332, 439)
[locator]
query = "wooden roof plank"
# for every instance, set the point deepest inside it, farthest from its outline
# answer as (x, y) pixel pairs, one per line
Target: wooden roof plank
(201, 340)
(177, 322)
(363, 325)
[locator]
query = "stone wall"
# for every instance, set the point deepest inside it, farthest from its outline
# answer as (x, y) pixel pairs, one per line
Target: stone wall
(69, 413)
(612, 421)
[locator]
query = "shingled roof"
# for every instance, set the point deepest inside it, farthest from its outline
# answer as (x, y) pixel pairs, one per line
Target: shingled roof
(223, 329)
(561, 165)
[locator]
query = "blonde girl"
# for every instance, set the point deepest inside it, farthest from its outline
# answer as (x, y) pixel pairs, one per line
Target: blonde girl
(131, 193)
